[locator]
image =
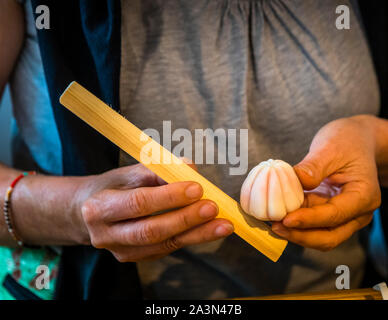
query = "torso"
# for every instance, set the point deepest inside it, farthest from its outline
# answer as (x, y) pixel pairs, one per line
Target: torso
(280, 69)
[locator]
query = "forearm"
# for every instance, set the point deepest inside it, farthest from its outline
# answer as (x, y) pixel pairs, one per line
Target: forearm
(45, 210)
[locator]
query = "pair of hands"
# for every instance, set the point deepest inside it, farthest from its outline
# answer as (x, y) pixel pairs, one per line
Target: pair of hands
(118, 207)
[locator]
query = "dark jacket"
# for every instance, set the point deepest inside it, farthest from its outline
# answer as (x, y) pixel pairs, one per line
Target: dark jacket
(83, 44)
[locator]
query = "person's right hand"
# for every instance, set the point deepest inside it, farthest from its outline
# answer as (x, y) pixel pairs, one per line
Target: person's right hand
(118, 210)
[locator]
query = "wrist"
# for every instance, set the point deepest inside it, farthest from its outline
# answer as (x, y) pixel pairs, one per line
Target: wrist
(381, 134)
(378, 128)
(45, 212)
(81, 192)
(7, 176)
(367, 124)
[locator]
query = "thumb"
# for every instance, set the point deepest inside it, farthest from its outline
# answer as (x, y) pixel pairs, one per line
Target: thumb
(312, 170)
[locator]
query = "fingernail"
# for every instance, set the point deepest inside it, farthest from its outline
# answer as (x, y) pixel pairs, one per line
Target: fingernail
(194, 191)
(280, 230)
(208, 210)
(224, 230)
(305, 169)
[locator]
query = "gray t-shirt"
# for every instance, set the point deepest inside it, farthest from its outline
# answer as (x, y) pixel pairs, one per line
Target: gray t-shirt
(280, 69)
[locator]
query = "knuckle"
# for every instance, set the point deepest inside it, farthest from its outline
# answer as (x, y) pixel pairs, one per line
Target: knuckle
(127, 256)
(172, 244)
(120, 257)
(336, 216)
(369, 218)
(95, 208)
(137, 201)
(97, 242)
(101, 238)
(328, 245)
(363, 192)
(144, 176)
(170, 196)
(184, 221)
(363, 221)
(89, 211)
(146, 233)
(370, 195)
(376, 200)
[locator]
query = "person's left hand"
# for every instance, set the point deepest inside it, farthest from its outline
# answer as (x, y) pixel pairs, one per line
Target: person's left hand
(340, 169)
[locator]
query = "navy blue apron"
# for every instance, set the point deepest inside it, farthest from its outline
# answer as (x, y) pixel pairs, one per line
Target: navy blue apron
(84, 44)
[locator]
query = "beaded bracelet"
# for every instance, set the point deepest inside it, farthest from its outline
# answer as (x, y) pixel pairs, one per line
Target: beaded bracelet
(7, 208)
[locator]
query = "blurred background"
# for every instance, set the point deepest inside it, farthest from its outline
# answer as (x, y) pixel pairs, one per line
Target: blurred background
(5, 128)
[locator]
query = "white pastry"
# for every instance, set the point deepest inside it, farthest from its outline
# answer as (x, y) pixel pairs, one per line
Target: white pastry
(271, 190)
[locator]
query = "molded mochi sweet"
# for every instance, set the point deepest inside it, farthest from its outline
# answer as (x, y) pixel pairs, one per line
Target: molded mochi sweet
(271, 190)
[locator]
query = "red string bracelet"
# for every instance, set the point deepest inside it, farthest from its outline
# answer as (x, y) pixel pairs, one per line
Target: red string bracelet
(7, 208)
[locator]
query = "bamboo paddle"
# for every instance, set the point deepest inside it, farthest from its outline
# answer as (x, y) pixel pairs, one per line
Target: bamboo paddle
(170, 168)
(356, 294)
